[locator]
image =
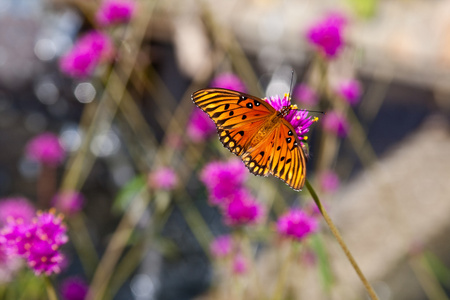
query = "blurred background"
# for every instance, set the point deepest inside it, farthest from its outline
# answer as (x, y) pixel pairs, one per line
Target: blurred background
(129, 117)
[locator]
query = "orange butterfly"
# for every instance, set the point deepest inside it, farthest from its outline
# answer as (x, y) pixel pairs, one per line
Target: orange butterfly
(252, 129)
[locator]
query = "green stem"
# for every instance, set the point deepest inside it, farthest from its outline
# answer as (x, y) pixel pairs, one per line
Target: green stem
(50, 289)
(341, 242)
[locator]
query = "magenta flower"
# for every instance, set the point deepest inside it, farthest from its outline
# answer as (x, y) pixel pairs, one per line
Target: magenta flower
(37, 242)
(228, 81)
(163, 179)
(115, 12)
(221, 246)
(89, 50)
(306, 95)
(68, 202)
(45, 149)
(223, 179)
(74, 288)
(16, 208)
(296, 224)
(240, 264)
(349, 90)
(329, 181)
(335, 123)
(200, 126)
(299, 119)
(326, 35)
(242, 209)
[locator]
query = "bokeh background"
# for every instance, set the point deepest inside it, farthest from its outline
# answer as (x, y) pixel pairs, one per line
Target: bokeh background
(392, 203)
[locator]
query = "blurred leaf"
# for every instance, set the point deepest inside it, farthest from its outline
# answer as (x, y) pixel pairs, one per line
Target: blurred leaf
(324, 264)
(127, 193)
(363, 8)
(439, 269)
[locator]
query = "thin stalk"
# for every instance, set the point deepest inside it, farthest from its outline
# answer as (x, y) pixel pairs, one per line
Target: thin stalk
(50, 289)
(282, 276)
(341, 242)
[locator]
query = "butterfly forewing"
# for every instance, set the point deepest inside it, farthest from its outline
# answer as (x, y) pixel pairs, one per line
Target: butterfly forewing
(239, 117)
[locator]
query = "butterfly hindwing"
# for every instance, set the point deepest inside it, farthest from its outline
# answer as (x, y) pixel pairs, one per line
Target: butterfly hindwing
(288, 160)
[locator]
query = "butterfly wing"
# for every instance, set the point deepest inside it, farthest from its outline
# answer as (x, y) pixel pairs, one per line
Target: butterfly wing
(238, 116)
(288, 161)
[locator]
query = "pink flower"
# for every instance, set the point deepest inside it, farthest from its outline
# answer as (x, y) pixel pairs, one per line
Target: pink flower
(326, 34)
(242, 209)
(306, 95)
(115, 11)
(228, 81)
(89, 50)
(74, 288)
(350, 90)
(221, 246)
(223, 179)
(200, 126)
(240, 264)
(16, 208)
(68, 202)
(296, 224)
(335, 123)
(299, 119)
(329, 181)
(37, 242)
(163, 179)
(46, 149)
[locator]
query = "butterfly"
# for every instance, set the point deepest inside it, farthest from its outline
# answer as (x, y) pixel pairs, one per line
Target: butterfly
(255, 131)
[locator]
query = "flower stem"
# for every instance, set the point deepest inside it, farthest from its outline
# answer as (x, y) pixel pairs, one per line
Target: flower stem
(341, 242)
(282, 276)
(50, 289)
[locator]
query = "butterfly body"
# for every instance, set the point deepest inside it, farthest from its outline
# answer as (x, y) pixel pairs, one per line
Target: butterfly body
(252, 129)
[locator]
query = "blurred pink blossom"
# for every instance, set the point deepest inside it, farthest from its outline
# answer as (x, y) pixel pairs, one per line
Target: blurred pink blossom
(240, 264)
(326, 34)
(335, 123)
(228, 81)
(74, 288)
(115, 12)
(242, 209)
(46, 149)
(223, 179)
(221, 246)
(349, 90)
(296, 224)
(68, 202)
(16, 208)
(163, 178)
(89, 50)
(200, 126)
(329, 181)
(305, 95)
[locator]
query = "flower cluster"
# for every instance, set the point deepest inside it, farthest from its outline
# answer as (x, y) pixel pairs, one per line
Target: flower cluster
(326, 34)
(38, 241)
(45, 149)
(225, 184)
(88, 52)
(115, 12)
(200, 126)
(296, 224)
(74, 288)
(299, 119)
